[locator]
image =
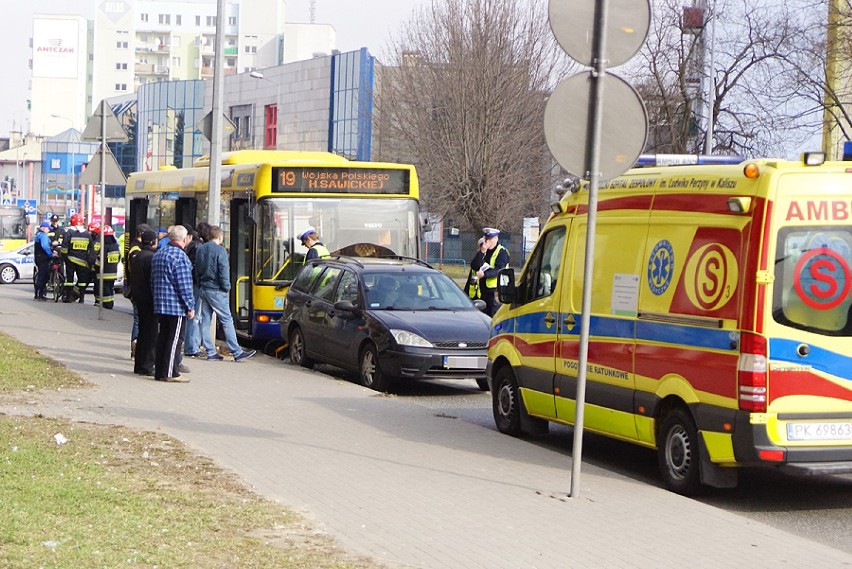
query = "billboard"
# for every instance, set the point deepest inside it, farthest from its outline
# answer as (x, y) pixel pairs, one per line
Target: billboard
(56, 48)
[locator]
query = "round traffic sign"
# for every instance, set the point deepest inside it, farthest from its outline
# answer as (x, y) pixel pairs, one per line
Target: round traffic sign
(573, 24)
(567, 127)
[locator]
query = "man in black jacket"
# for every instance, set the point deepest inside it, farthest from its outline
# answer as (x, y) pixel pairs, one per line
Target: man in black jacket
(143, 301)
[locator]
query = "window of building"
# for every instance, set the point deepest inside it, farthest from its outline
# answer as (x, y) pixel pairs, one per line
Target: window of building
(211, 20)
(165, 19)
(270, 118)
(178, 19)
(198, 20)
(121, 45)
(251, 49)
(232, 20)
(230, 62)
(121, 66)
(143, 17)
(175, 62)
(121, 86)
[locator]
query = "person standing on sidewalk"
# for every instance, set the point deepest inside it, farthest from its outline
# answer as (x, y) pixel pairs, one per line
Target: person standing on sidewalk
(143, 303)
(42, 251)
(214, 282)
(496, 258)
(192, 345)
(75, 251)
(135, 247)
(171, 283)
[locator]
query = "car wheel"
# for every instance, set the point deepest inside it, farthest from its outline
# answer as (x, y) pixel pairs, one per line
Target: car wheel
(369, 370)
(297, 349)
(482, 383)
(8, 274)
(506, 402)
(677, 452)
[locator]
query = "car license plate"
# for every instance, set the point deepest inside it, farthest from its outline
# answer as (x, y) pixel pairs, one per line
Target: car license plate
(835, 431)
(464, 362)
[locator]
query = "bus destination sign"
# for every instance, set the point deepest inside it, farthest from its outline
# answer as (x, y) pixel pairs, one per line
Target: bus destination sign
(341, 180)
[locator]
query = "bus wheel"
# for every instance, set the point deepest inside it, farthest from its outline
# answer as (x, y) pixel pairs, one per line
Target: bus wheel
(297, 349)
(677, 453)
(506, 402)
(370, 371)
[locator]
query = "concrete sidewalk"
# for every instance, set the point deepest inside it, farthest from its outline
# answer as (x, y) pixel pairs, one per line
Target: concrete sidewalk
(387, 478)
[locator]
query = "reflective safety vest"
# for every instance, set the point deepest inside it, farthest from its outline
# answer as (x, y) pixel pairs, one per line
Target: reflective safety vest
(491, 282)
(473, 285)
(321, 251)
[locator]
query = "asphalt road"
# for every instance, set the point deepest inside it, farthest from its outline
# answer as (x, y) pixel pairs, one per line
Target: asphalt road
(816, 507)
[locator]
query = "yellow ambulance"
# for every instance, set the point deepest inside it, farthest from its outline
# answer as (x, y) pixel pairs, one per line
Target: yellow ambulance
(720, 331)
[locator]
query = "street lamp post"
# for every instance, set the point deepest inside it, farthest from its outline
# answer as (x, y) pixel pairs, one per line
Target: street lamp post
(259, 75)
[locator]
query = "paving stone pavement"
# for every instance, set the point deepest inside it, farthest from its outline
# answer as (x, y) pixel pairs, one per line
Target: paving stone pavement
(391, 479)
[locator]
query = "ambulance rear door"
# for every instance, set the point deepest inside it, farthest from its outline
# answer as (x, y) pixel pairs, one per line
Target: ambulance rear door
(809, 316)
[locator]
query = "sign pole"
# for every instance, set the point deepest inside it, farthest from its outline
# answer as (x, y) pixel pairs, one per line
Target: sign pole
(103, 212)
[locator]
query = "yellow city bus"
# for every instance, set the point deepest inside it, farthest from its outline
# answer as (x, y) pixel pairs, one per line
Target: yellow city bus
(13, 227)
(268, 198)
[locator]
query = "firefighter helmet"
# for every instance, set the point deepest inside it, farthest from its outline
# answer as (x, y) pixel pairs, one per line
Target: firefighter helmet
(108, 230)
(94, 227)
(76, 219)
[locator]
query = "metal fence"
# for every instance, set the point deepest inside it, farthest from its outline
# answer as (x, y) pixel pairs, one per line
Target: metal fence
(459, 250)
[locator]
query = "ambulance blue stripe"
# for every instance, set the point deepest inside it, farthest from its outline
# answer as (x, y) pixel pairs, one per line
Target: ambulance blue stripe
(691, 336)
(832, 363)
(622, 329)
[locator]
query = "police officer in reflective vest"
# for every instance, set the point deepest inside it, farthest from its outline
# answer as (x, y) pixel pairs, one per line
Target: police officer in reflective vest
(310, 240)
(496, 258)
(75, 251)
(472, 285)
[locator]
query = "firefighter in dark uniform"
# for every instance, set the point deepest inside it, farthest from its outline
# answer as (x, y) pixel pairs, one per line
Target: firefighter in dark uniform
(56, 234)
(496, 258)
(111, 257)
(75, 251)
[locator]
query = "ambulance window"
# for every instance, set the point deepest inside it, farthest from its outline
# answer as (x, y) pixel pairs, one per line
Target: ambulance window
(543, 268)
(813, 279)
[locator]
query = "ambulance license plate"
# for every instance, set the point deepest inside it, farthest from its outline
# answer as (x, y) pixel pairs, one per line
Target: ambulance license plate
(835, 431)
(464, 362)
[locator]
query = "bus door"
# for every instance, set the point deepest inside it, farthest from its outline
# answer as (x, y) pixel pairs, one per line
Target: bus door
(137, 215)
(186, 211)
(241, 233)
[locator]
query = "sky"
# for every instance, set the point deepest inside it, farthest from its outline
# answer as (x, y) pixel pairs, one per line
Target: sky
(358, 23)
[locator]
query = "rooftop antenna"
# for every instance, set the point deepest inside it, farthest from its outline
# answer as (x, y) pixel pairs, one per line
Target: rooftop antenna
(313, 11)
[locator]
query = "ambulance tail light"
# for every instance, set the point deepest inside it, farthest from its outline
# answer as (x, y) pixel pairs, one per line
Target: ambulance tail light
(751, 373)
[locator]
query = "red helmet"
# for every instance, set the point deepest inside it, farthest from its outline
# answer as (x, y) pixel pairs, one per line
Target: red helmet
(94, 227)
(108, 230)
(76, 219)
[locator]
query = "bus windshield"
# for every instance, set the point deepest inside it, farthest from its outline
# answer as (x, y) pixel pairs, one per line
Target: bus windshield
(360, 226)
(13, 223)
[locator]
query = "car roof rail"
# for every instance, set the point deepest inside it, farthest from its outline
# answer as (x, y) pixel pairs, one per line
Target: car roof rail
(404, 258)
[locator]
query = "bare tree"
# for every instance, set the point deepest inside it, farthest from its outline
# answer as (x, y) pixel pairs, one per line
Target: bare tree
(752, 44)
(463, 98)
(818, 71)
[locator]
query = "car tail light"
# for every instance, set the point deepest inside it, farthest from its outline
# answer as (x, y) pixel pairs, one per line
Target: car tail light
(751, 373)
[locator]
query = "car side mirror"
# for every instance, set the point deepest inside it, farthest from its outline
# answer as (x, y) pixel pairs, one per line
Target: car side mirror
(345, 306)
(506, 286)
(480, 304)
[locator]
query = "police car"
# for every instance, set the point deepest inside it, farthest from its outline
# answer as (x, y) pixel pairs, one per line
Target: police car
(20, 264)
(17, 264)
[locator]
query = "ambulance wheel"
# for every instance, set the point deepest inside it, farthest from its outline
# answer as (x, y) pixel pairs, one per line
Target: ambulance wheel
(677, 452)
(506, 402)
(297, 349)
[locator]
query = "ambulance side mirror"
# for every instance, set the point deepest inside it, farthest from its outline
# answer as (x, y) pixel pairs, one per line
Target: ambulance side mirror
(506, 291)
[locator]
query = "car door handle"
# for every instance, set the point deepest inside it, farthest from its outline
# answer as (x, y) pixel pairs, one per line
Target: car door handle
(549, 319)
(569, 320)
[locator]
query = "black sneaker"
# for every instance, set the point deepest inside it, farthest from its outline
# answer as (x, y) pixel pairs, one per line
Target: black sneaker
(182, 368)
(214, 358)
(244, 355)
